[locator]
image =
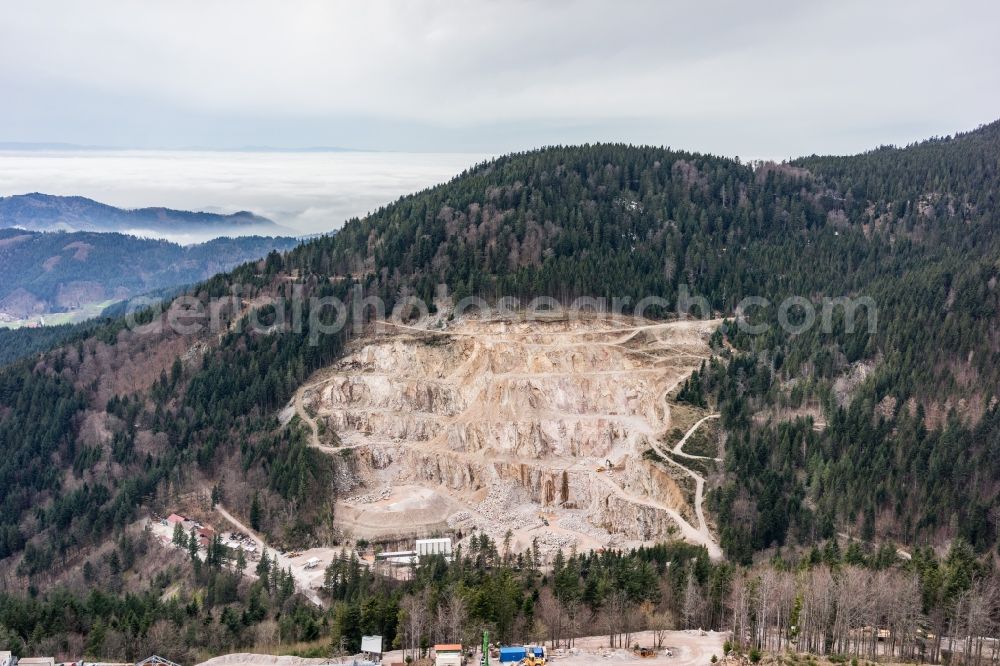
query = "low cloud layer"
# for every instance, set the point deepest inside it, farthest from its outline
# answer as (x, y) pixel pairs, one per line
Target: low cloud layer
(304, 192)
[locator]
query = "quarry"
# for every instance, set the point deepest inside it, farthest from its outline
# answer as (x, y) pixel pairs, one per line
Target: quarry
(545, 433)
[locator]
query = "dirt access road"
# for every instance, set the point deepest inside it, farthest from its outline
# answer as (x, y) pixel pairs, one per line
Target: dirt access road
(307, 581)
(706, 537)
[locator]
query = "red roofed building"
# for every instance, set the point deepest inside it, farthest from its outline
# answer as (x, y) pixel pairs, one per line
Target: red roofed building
(448, 654)
(173, 519)
(205, 536)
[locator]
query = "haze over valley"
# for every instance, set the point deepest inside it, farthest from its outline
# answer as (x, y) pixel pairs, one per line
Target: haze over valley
(303, 192)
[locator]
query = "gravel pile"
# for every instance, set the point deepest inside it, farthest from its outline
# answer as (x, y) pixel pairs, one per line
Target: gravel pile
(344, 479)
(375, 496)
(549, 544)
(503, 504)
(579, 523)
(459, 518)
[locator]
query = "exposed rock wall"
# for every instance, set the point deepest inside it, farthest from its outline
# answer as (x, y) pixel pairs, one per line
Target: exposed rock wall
(536, 406)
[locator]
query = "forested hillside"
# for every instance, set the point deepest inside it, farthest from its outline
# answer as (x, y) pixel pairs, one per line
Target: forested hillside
(887, 433)
(909, 454)
(47, 212)
(42, 273)
(16, 343)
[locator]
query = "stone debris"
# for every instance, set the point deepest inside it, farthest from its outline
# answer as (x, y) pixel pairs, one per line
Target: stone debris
(550, 542)
(381, 457)
(345, 479)
(374, 496)
(508, 507)
(459, 519)
(502, 500)
(577, 522)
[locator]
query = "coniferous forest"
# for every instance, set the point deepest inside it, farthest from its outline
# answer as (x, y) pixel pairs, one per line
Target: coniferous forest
(840, 445)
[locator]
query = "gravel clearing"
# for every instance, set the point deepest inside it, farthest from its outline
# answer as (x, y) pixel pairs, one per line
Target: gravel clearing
(686, 648)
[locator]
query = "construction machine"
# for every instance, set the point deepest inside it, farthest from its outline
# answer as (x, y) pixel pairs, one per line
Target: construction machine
(535, 656)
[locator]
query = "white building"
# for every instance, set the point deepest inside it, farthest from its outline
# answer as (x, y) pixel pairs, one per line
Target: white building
(371, 646)
(37, 661)
(434, 547)
(6, 658)
(448, 654)
(398, 557)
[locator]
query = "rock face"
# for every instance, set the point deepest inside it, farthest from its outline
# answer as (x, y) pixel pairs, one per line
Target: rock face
(531, 411)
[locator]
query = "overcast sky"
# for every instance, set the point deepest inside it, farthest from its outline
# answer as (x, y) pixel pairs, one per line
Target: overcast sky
(754, 79)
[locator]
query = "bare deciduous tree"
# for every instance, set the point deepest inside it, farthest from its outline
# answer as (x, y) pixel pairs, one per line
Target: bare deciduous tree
(614, 616)
(415, 611)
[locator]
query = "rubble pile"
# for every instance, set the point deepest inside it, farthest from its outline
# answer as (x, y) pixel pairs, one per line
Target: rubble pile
(382, 493)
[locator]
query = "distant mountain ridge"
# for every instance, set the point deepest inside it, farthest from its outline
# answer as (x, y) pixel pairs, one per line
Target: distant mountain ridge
(47, 212)
(43, 146)
(46, 272)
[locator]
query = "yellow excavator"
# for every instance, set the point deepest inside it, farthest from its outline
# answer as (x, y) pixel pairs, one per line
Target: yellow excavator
(532, 659)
